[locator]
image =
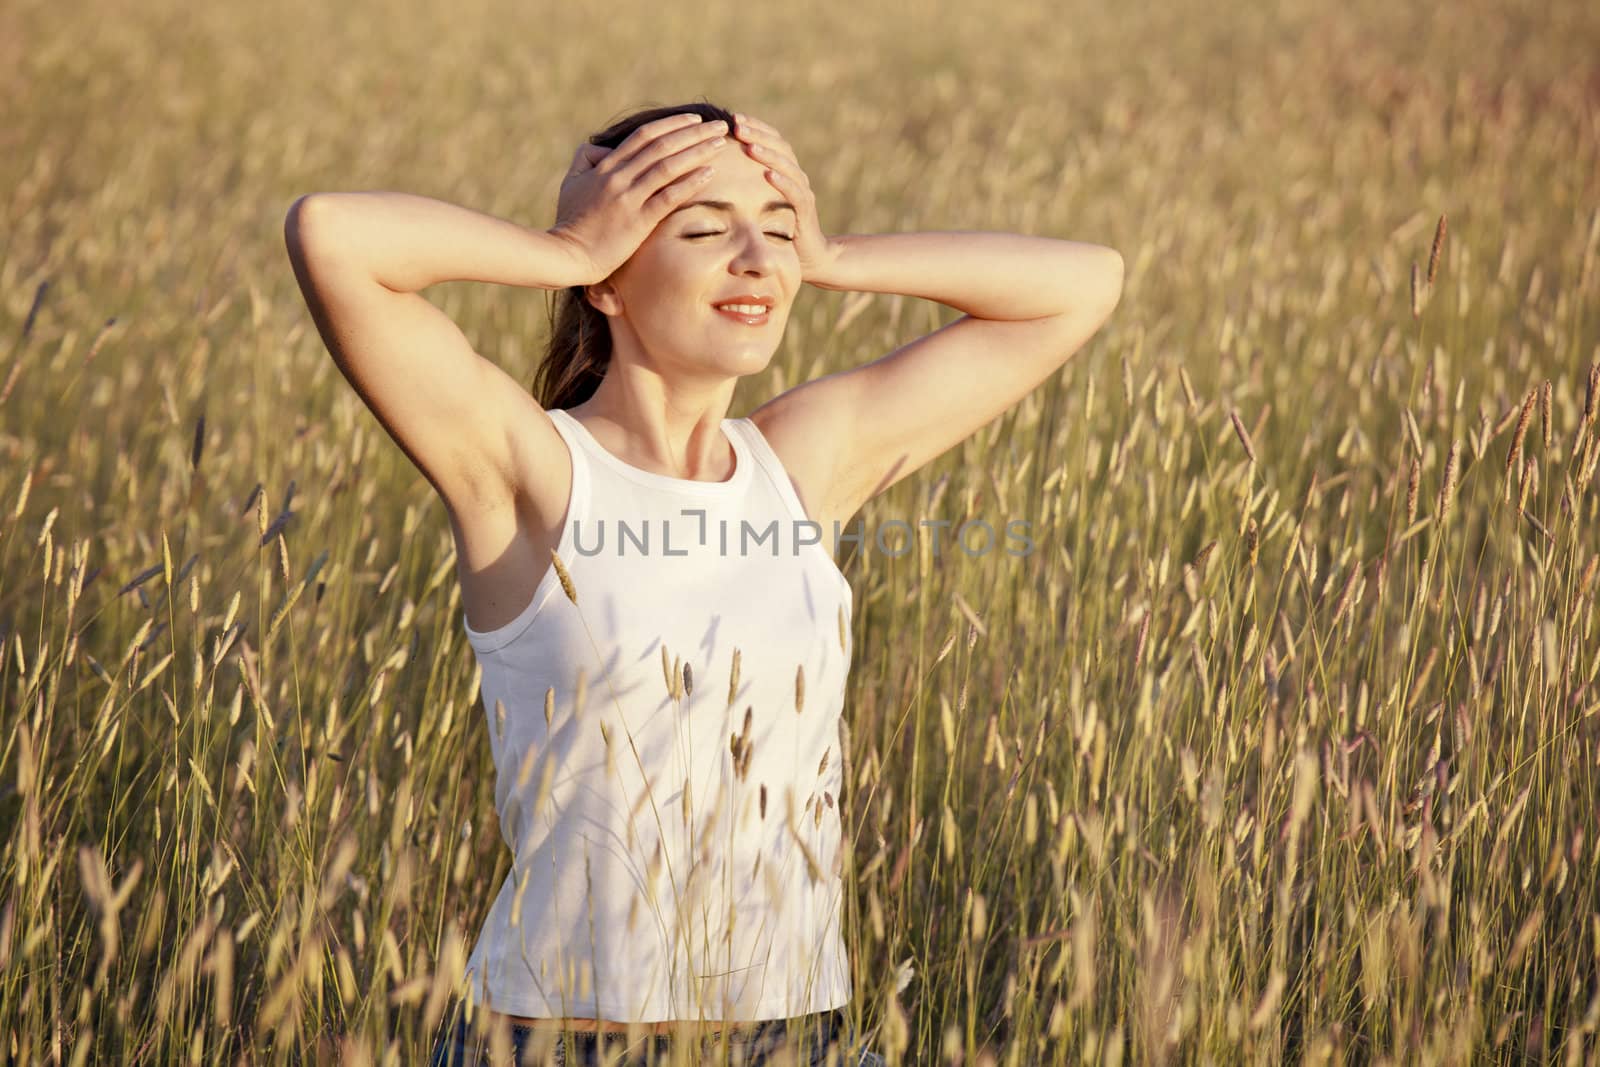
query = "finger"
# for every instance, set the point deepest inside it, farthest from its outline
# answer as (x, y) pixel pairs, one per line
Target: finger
(693, 143)
(796, 192)
(770, 137)
(587, 156)
(674, 193)
(781, 164)
(649, 181)
(786, 183)
(643, 137)
(770, 155)
(743, 121)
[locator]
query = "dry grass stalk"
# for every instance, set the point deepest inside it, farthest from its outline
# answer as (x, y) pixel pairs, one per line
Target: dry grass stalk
(1447, 487)
(566, 579)
(1438, 246)
(1412, 481)
(1591, 399)
(1243, 435)
(1546, 402)
(1521, 431)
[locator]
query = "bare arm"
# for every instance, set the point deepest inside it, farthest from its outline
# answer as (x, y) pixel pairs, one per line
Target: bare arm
(1002, 276)
(360, 259)
(1030, 303)
(408, 242)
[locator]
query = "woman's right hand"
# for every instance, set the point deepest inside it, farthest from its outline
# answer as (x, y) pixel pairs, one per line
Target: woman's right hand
(612, 199)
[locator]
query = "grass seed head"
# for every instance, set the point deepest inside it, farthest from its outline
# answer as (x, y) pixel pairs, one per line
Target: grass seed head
(1438, 246)
(566, 579)
(1243, 434)
(1447, 487)
(1546, 401)
(1412, 480)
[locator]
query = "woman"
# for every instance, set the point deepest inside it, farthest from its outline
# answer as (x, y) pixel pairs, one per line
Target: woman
(676, 851)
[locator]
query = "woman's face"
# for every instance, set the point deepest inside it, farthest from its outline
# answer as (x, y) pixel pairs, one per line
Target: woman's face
(663, 310)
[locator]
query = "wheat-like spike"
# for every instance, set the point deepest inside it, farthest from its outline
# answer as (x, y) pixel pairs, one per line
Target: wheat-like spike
(763, 800)
(1343, 601)
(1588, 575)
(549, 704)
(566, 579)
(733, 679)
(1243, 435)
(1313, 497)
(1416, 291)
(1521, 431)
(1412, 481)
(1188, 390)
(198, 448)
(688, 681)
(1447, 487)
(1546, 401)
(1438, 246)
(525, 767)
(799, 688)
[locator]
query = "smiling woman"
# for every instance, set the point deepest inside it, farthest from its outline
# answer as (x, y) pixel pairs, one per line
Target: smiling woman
(677, 858)
(729, 246)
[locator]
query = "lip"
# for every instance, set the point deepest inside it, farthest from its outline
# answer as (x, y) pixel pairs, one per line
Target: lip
(747, 298)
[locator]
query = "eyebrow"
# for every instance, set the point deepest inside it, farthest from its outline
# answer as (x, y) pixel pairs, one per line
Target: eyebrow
(723, 205)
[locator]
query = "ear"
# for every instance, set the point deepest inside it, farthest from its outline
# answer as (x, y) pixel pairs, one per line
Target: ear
(603, 297)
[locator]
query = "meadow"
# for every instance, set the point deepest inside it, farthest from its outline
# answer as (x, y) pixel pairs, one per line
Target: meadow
(1281, 747)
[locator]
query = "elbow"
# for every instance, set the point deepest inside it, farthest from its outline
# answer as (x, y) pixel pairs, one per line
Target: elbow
(1115, 272)
(1111, 294)
(304, 225)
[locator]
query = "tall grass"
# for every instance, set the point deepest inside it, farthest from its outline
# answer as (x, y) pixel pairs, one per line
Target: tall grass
(1281, 746)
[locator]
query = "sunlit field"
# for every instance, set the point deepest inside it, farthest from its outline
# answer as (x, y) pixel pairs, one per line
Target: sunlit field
(1280, 746)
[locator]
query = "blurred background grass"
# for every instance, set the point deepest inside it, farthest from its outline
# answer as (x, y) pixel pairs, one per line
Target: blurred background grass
(1164, 805)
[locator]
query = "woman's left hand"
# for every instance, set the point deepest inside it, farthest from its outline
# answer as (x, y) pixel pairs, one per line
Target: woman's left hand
(766, 146)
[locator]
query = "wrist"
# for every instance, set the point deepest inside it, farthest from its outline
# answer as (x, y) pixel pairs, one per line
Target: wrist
(829, 273)
(576, 266)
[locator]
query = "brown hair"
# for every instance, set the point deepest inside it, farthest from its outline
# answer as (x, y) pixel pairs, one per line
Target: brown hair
(580, 336)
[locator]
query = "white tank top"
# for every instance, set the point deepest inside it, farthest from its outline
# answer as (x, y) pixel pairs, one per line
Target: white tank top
(683, 901)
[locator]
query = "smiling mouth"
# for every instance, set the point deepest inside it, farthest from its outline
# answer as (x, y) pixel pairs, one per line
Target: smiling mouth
(745, 317)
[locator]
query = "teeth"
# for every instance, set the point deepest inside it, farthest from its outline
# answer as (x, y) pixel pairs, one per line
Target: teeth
(743, 309)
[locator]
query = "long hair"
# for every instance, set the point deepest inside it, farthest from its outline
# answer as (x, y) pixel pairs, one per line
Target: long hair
(580, 336)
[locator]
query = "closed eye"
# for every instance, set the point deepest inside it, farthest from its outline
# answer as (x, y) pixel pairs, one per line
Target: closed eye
(713, 233)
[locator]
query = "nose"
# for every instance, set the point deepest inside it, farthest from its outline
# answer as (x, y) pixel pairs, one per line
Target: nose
(753, 253)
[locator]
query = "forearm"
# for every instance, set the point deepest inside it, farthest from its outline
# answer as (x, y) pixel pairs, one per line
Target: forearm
(410, 242)
(985, 274)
